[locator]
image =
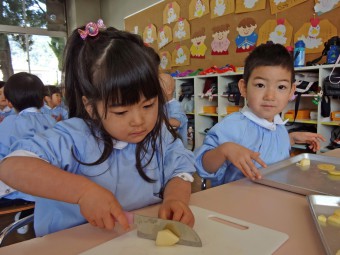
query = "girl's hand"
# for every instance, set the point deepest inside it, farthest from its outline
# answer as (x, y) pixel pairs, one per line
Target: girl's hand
(176, 210)
(243, 159)
(313, 139)
(101, 209)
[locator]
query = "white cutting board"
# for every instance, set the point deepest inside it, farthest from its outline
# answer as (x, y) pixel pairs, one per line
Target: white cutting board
(216, 237)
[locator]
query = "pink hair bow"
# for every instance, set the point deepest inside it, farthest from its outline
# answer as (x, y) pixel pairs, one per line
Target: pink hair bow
(91, 29)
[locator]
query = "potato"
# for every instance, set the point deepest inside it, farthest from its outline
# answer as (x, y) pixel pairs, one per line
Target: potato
(334, 172)
(334, 220)
(322, 218)
(166, 238)
(304, 162)
(337, 212)
(326, 167)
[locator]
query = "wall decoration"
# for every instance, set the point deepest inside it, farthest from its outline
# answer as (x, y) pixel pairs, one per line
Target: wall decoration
(164, 36)
(198, 8)
(220, 43)
(165, 63)
(315, 33)
(278, 31)
(247, 37)
(221, 7)
(181, 30)
(180, 56)
(171, 13)
(322, 6)
(249, 5)
(283, 5)
(150, 34)
(198, 48)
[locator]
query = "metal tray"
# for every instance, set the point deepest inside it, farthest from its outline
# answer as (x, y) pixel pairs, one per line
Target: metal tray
(330, 235)
(287, 175)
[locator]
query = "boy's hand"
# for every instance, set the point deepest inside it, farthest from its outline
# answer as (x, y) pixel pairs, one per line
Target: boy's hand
(176, 210)
(243, 158)
(100, 208)
(313, 139)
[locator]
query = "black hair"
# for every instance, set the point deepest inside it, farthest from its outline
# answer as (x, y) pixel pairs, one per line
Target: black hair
(114, 67)
(49, 90)
(24, 90)
(269, 54)
(2, 83)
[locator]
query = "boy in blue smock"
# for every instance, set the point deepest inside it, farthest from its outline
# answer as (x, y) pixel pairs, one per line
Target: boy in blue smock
(53, 103)
(5, 110)
(255, 137)
(25, 92)
(116, 152)
(176, 116)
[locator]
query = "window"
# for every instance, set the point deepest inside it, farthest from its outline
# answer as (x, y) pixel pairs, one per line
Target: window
(32, 38)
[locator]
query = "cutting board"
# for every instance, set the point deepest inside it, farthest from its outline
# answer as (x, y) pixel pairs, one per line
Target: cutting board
(236, 237)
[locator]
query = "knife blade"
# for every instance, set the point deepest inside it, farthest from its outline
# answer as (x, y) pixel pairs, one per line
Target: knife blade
(148, 227)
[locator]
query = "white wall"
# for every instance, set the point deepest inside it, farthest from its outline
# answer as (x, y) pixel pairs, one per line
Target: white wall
(114, 11)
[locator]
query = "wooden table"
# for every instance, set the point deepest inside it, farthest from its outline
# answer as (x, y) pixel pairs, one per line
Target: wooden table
(273, 208)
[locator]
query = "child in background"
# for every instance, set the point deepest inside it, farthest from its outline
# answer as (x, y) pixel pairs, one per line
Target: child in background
(255, 137)
(177, 118)
(116, 153)
(5, 110)
(25, 92)
(53, 103)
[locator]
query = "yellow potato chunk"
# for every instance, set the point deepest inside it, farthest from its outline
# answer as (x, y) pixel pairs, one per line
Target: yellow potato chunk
(334, 219)
(322, 218)
(326, 167)
(166, 238)
(337, 212)
(334, 172)
(304, 162)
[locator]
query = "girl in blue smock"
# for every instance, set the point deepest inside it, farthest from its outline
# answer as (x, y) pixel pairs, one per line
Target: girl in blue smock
(25, 92)
(54, 104)
(5, 110)
(116, 152)
(255, 137)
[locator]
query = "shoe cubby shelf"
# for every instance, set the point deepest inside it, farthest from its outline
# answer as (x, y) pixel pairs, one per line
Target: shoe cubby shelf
(203, 121)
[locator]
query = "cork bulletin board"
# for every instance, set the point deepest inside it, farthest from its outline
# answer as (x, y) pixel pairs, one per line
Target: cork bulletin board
(297, 16)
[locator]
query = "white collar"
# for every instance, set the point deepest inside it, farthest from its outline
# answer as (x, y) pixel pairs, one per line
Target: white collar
(6, 109)
(262, 122)
(119, 144)
(31, 109)
(171, 100)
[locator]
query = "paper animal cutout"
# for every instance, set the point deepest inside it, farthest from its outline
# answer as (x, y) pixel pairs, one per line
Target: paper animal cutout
(198, 8)
(283, 5)
(322, 6)
(150, 34)
(171, 13)
(278, 31)
(164, 36)
(315, 33)
(165, 63)
(180, 56)
(181, 30)
(249, 5)
(220, 8)
(220, 43)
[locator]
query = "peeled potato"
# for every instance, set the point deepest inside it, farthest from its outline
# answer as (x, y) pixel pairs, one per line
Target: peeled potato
(166, 238)
(334, 172)
(322, 218)
(304, 162)
(326, 167)
(334, 219)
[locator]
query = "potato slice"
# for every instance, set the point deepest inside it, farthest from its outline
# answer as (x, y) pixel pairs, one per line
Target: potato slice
(334, 220)
(166, 238)
(326, 167)
(334, 172)
(322, 218)
(304, 162)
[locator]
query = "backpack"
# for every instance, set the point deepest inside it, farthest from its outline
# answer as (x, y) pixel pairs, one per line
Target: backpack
(335, 139)
(210, 88)
(187, 90)
(233, 92)
(335, 40)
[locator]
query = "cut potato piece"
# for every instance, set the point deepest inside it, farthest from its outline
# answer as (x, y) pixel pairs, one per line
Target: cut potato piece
(322, 218)
(326, 167)
(334, 172)
(334, 219)
(337, 212)
(304, 162)
(166, 238)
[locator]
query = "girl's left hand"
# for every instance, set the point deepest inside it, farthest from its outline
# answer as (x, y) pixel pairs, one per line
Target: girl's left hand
(176, 210)
(313, 139)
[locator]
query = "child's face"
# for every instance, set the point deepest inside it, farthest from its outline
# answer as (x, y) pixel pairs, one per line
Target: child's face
(55, 100)
(3, 100)
(268, 90)
(130, 123)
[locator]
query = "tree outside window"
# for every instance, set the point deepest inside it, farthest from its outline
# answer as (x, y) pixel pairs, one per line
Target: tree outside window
(32, 38)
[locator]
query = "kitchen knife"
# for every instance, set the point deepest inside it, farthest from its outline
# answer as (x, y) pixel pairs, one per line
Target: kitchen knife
(148, 227)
